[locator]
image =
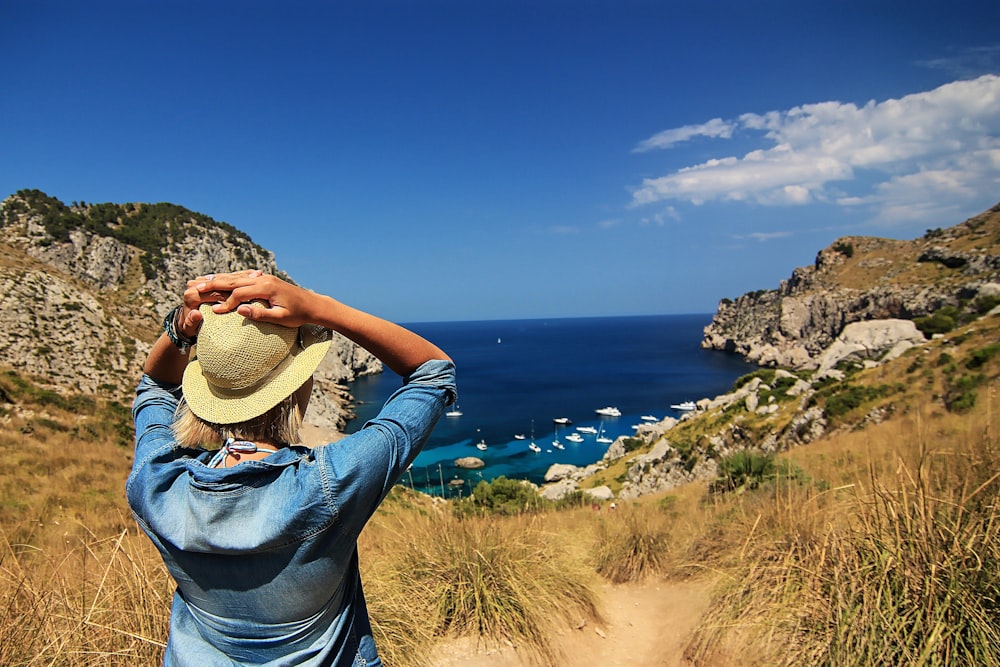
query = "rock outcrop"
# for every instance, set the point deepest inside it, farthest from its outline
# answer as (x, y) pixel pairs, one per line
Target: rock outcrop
(82, 305)
(854, 309)
(858, 279)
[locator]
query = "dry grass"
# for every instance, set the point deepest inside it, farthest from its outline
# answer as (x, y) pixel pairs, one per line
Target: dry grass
(891, 555)
(508, 580)
(899, 566)
(93, 602)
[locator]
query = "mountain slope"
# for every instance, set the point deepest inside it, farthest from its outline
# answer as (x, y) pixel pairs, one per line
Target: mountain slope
(83, 289)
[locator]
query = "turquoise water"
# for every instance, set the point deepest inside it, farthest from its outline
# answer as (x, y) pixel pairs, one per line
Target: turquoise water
(517, 374)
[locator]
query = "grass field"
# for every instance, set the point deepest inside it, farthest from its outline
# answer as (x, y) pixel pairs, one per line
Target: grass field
(876, 545)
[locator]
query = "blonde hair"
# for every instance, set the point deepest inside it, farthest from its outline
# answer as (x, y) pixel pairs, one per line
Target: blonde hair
(279, 425)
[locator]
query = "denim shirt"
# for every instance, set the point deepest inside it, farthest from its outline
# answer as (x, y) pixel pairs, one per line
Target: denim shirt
(264, 553)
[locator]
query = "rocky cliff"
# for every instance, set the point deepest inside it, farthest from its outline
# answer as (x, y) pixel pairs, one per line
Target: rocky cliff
(856, 333)
(863, 278)
(84, 287)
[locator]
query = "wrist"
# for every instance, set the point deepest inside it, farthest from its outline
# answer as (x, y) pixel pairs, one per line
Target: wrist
(181, 341)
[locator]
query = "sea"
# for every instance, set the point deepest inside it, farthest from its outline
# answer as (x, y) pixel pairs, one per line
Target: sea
(516, 376)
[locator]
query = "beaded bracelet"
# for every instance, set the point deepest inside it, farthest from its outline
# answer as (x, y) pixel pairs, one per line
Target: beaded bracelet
(182, 342)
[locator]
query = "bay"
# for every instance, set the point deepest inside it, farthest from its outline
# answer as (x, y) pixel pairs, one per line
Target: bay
(516, 376)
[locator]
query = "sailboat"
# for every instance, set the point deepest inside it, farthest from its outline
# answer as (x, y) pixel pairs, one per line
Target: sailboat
(555, 440)
(481, 445)
(603, 439)
(454, 412)
(533, 447)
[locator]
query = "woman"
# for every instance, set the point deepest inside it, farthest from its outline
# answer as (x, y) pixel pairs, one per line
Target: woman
(261, 535)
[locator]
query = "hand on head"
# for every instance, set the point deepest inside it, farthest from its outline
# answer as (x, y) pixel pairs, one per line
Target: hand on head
(253, 294)
(190, 319)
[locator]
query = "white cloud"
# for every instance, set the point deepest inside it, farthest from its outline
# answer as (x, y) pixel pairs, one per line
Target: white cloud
(969, 62)
(944, 141)
(714, 128)
(659, 219)
(764, 236)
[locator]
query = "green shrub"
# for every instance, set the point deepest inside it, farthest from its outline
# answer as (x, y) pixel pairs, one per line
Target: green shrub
(766, 376)
(934, 324)
(961, 393)
(979, 358)
(745, 469)
(501, 496)
(844, 248)
(849, 397)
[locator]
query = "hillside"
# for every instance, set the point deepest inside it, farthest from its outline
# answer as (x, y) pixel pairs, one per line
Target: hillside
(83, 288)
(865, 302)
(842, 515)
(953, 271)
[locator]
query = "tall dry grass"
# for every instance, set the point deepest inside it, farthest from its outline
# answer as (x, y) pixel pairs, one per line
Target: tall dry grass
(633, 543)
(899, 567)
(96, 601)
(504, 580)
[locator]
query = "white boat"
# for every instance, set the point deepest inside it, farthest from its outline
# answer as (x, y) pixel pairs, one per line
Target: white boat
(555, 440)
(533, 447)
(685, 406)
(574, 437)
(454, 412)
(604, 440)
(563, 420)
(586, 429)
(520, 436)
(609, 411)
(649, 418)
(481, 445)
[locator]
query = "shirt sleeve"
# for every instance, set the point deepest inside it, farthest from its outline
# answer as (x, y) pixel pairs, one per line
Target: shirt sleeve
(362, 468)
(153, 413)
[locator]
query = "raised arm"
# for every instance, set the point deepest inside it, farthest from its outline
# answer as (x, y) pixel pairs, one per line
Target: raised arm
(402, 350)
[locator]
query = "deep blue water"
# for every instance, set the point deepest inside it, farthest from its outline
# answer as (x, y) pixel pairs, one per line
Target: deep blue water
(515, 374)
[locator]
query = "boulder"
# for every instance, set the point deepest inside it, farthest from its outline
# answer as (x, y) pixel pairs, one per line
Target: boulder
(559, 490)
(470, 463)
(871, 340)
(600, 493)
(559, 471)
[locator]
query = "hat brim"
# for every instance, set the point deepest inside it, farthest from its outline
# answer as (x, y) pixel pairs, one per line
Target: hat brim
(232, 406)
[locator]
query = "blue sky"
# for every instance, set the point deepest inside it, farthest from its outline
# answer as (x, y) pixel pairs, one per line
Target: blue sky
(457, 160)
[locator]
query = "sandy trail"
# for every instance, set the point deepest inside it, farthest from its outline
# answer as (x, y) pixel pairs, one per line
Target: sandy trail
(647, 625)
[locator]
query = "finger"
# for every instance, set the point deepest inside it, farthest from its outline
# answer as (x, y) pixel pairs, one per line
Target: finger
(191, 323)
(228, 281)
(255, 310)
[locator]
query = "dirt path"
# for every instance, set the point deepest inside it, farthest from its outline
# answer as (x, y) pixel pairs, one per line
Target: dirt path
(647, 626)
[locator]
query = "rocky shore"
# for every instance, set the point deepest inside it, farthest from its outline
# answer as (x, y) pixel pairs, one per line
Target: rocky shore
(858, 306)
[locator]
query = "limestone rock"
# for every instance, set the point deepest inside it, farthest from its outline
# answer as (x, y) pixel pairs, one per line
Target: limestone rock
(871, 340)
(558, 490)
(600, 493)
(559, 471)
(470, 463)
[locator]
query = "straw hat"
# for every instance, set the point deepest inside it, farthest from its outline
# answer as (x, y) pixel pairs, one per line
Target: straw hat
(242, 368)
